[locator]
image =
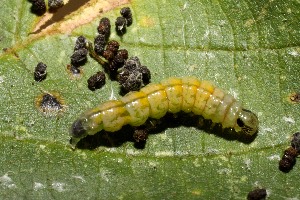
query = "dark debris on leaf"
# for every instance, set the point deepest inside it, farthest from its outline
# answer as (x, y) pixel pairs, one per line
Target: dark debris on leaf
(133, 76)
(121, 24)
(295, 97)
(38, 7)
(126, 13)
(104, 28)
(140, 135)
(257, 194)
(79, 57)
(99, 44)
(40, 72)
(295, 143)
(81, 43)
(118, 61)
(113, 46)
(96, 81)
(288, 160)
(55, 4)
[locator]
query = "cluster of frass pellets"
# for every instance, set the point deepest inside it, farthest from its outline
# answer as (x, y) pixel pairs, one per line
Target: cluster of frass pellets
(130, 73)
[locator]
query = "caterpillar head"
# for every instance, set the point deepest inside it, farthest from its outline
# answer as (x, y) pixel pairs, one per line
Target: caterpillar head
(81, 128)
(247, 122)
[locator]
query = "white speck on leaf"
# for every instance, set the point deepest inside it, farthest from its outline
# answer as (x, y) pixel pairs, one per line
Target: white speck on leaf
(132, 152)
(38, 186)
(247, 163)
(274, 157)
(104, 175)
(164, 136)
(83, 155)
(210, 55)
(112, 94)
(267, 129)
(183, 35)
(1, 79)
(153, 164)
(206, 34)
(293, 53)
(192, 67)
(185, 5)
(142, 39)
(80, 178)
(222, 22)
(58, 186)
(289, 120)
(212, 151)
(164, 153)
(224, 171)
(7, 182)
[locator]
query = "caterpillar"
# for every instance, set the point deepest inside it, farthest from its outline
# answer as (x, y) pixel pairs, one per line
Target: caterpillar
(187, 94)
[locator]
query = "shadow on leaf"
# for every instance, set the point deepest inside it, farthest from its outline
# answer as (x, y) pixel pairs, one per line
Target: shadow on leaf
(116, 139)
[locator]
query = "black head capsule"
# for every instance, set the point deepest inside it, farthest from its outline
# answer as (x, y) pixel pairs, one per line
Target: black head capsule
(89, 123)
(78, 131)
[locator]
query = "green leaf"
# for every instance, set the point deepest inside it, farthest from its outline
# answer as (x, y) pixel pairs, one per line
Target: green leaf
(248, 48)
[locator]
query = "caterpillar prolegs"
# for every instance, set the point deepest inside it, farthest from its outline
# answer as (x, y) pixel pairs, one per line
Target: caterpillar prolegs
(173, 95)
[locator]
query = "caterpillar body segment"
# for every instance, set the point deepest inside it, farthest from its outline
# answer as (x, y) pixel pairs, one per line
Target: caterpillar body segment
(156, 93)
(173, 88)
(172, 95)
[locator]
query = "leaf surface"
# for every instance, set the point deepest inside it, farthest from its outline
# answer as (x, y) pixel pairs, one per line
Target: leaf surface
(248, 48)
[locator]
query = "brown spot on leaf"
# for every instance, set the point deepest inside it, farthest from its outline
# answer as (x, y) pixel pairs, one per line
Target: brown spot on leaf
(50, 104)
(294, 97)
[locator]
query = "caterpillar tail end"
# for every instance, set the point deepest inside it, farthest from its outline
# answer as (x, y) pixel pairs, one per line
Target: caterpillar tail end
(77, 131)
(248, 122)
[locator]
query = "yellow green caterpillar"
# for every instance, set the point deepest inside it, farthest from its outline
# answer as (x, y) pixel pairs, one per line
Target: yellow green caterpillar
(187, 94)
